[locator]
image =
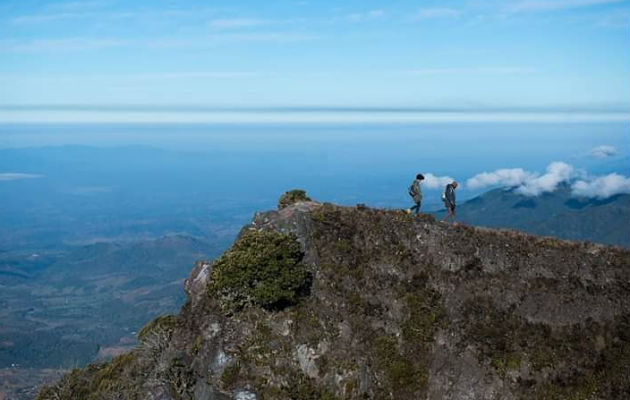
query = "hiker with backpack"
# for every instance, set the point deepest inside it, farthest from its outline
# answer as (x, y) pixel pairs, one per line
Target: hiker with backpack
(416, 194)
(448, 197)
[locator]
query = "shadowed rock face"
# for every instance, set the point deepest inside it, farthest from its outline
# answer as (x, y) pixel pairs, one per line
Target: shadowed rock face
(398, 307)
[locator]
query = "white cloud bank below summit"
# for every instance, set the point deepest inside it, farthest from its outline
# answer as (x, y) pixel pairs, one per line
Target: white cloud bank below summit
(602, 187)
(603, 151)
(436, 182)
(557, 172)
(503, 177)
(533, 184)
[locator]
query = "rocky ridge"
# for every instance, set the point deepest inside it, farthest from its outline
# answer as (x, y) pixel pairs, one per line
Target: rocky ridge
(392, 307)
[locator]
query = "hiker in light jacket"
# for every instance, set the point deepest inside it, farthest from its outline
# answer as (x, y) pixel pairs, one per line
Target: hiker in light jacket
(449, 201)
(416, 194)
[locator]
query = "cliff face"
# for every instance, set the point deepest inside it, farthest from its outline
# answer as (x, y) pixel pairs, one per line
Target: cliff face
(386, 306)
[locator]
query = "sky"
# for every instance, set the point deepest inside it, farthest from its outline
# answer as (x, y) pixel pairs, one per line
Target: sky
(471, 55)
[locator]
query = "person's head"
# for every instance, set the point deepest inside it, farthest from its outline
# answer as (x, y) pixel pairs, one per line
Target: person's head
(454, 184)
(419, 177)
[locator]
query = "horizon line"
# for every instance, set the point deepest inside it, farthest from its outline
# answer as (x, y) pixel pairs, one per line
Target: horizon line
(163, 114)
(199, 107)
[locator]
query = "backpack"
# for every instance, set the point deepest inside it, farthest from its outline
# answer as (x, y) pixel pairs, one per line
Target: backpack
(444, 198)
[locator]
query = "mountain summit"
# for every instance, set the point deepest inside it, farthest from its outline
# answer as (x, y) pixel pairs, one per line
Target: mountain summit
(318, 301)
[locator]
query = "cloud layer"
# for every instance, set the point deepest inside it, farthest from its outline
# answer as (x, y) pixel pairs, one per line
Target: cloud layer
(14, 176)
(502, 177)
(603, 151)
(436, 182)
(602, 187)
(533, 184)
(557, 172)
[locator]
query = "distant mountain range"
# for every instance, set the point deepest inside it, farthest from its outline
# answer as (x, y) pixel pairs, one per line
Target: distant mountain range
(63, 309)
(556, 214)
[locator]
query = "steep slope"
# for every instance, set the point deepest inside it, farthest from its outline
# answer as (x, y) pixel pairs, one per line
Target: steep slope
(557, 214)
(377, 304)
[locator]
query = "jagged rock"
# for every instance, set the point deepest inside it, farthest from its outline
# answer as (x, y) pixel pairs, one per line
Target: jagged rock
(401, 307)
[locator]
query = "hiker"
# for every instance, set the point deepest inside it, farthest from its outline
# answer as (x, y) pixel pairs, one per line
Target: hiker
(416, 194)
(448, 197)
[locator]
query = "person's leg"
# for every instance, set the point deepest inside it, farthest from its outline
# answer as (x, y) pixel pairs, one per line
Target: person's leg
(417, 208)
(448, 213)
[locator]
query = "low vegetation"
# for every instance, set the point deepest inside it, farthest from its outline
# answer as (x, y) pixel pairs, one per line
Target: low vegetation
(292, 197)
(97, 381)
(262, 269)
(164, 322)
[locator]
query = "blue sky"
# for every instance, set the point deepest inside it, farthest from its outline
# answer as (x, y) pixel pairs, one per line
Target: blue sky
(468, 54)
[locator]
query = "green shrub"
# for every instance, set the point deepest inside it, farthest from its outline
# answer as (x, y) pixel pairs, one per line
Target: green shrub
(292, 197)
(262, 269)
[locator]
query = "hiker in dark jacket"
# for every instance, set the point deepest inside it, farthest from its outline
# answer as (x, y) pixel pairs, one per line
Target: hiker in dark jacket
(416, 194)
(449, 201)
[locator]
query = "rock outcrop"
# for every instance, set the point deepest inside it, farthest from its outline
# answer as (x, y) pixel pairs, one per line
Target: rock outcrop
(394, 307)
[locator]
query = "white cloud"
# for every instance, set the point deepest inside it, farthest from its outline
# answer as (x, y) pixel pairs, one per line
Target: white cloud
(14, 176)
(556, 5)
(78, 44)
(532, 184)
(432, 13)
(509, 70)
(194, 75)
(225, 38)
(603, 151)
(602, 187)
(68, 44)
(366, 16)
(557, 172)
(80, 5)
(526, 183)
(435, 182)
(501, 177)
(53, 17)
(41, 18)
(231, 23)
